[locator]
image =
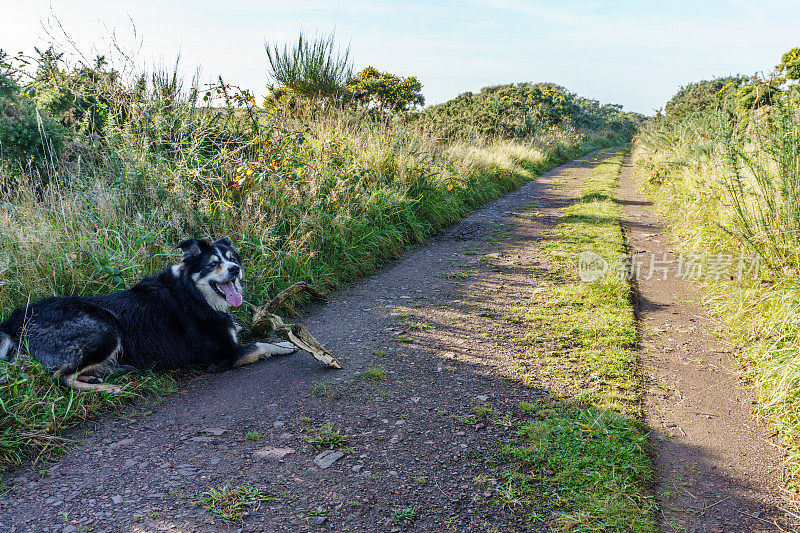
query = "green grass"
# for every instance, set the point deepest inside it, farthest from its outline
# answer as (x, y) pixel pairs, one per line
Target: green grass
(405, 515)
(229, 504)
(585, 333)
(253, 435)
(581, 462)
(326, 437)
(34, 410)
(374, 373)
(584, 466)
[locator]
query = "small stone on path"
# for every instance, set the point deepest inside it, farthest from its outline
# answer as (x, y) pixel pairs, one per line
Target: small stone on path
(123, 442)
(214, 431)
(327, 458)
(271, 453)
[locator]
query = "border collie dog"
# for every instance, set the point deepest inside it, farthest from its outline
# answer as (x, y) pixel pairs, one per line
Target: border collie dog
(174, 319)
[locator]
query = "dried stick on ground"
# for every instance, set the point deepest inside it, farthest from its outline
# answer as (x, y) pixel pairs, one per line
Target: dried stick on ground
(265, 322)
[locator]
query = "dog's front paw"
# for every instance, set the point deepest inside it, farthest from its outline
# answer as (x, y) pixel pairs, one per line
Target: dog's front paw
(280, 348)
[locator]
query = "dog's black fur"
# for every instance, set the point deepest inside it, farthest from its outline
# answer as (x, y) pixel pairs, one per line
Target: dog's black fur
(174, 319)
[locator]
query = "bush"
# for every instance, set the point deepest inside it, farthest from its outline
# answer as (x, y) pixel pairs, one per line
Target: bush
(386, 92)
(702, 96)
(312, 68)
(29, 138)
(518, 111)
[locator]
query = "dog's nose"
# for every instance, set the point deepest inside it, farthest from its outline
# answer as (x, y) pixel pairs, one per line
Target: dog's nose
(234, 270)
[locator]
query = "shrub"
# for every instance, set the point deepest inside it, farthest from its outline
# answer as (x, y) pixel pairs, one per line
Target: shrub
(312, 68)
(29, 138)
(519, 111)
(702, 96)
(385, 92)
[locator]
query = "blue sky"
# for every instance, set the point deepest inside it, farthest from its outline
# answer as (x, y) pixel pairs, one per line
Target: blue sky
(635, 53)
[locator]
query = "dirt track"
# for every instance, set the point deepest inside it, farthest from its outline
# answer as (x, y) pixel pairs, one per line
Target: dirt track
(718, 467)
(409, 444)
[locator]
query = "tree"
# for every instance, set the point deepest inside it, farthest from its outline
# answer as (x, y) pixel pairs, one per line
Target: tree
(386, 92)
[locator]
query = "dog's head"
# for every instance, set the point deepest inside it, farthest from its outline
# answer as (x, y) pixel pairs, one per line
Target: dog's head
(215, 269)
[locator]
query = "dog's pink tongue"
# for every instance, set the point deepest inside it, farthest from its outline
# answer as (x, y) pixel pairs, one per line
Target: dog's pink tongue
(231, 294)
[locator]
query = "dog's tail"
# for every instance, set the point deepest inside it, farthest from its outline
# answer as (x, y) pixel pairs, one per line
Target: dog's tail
(8, 347)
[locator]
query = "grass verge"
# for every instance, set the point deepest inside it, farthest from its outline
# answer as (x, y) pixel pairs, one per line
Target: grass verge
(582, 461)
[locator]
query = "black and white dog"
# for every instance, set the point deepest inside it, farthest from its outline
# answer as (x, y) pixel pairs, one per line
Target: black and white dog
(174, 319)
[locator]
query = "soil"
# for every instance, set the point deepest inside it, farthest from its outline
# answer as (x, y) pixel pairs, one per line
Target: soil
(445, 347)
(718, 466)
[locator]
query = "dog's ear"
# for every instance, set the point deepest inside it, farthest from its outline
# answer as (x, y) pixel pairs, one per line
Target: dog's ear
(190, 247)
(225, 241)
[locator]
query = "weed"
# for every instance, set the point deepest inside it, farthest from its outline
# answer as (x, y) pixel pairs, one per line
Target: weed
(404, 339)
(460, 274)
(322, 388)
(483, 411)
(514, 495)
(469, 420)
(374, 373)
(253, 435)
(453, 522)
(415, 324)
(326, 438)
(317, 511)
(229, 504)
(405, 515)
